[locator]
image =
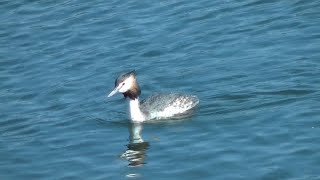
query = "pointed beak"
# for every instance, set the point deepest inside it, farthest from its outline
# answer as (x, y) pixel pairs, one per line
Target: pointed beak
(114, 91)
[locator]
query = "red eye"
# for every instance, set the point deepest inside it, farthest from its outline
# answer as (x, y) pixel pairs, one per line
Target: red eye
(123, 84)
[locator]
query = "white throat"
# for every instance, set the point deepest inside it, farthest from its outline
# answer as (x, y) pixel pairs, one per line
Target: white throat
(135, 112)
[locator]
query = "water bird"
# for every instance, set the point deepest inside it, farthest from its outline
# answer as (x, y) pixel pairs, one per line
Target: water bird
(157, 106)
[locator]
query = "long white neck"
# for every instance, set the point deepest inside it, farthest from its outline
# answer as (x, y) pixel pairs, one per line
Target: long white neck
(135, 112)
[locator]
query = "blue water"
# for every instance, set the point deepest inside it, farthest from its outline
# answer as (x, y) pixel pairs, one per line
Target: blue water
(255, 66)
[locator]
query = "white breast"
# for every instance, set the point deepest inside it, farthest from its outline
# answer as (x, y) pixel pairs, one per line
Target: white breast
(135, 112)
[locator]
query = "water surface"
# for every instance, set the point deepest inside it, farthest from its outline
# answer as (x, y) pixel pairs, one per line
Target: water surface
(253, 64)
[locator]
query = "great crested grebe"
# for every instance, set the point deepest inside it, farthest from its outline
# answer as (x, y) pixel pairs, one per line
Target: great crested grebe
(158, 106)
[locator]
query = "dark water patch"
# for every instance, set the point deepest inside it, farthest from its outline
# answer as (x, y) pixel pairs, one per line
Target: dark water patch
(289, 92)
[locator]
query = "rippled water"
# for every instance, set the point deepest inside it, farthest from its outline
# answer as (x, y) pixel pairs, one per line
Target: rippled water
(255, 65)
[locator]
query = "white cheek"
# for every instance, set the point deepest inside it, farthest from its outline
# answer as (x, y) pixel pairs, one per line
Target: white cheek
(126, 86)
(121, 89)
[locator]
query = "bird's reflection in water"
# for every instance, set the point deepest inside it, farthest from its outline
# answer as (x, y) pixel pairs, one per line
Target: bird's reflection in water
(137, 147)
